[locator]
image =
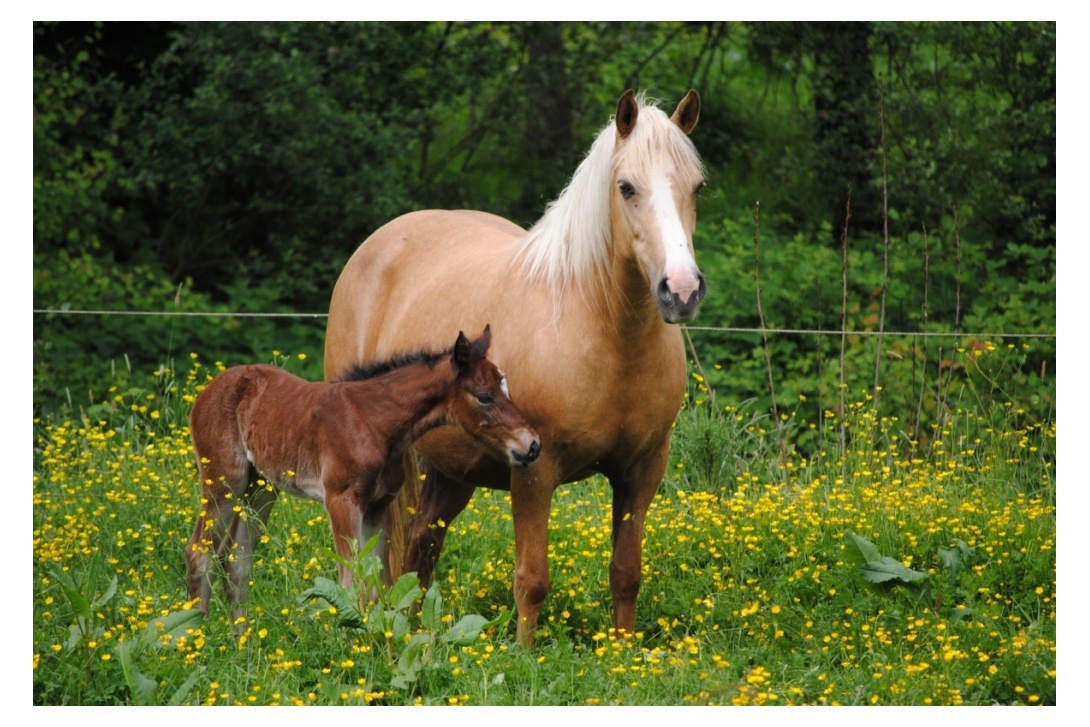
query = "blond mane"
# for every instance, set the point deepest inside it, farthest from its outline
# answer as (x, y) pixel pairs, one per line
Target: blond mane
(571, 242)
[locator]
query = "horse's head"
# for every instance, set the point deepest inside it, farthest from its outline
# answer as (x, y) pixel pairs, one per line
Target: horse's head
(482, 405)
(657, 177)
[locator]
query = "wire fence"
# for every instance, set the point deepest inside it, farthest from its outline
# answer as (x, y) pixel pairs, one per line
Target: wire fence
(710, 329)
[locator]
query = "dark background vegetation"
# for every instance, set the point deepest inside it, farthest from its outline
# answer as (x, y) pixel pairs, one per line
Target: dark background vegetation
(235, 167)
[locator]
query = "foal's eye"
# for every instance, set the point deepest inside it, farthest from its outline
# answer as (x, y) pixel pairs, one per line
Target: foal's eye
(486, 399)
(627, 190)
(699, 188)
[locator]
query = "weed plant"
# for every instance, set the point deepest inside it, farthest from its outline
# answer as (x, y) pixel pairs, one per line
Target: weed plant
(904, 569)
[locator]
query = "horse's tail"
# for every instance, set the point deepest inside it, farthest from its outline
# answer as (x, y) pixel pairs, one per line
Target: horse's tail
(396, 522)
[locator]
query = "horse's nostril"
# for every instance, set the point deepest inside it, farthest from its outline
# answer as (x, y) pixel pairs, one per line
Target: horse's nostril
(701, 290)
(535, 450)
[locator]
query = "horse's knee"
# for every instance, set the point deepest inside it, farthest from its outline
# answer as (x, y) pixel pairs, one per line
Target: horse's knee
(531, 587)
(624, 581)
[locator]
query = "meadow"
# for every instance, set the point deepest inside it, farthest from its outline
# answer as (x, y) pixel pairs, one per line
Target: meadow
(849, 560)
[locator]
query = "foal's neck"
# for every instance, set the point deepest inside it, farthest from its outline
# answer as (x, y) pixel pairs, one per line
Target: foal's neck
(407, 402)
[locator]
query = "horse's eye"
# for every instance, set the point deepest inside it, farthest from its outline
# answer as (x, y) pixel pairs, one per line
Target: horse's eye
(486, 399)
(627, 190)
(699, 188)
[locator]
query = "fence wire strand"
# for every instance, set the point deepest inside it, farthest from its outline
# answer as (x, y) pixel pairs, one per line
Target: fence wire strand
(702, 329)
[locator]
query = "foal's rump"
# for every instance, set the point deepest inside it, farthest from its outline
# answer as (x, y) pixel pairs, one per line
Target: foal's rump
(214, 421)
(254, 415)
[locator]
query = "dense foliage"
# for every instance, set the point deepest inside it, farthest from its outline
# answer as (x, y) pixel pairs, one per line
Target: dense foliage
(235, 167)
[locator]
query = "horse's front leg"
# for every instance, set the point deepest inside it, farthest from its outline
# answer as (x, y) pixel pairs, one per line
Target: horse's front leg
(632, 494)
(531, 498)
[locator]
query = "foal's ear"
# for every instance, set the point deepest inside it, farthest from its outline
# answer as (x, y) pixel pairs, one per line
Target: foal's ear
(460, 358)
(687, 112)
(480, 346)
(627, 111)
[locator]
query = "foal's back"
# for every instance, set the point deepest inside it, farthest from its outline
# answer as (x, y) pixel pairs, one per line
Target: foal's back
(262, 416)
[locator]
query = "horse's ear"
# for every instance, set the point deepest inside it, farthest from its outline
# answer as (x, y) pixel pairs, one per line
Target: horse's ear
(687, 112)
(627, 111)
(460, 358)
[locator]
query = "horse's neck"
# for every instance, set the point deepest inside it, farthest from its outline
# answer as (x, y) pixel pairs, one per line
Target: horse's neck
(621, 298)
(406, 402)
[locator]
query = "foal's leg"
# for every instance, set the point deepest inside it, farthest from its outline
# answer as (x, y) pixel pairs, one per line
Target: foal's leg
(632, 495)
(246, 529)
(346, 521)
(441, 500)
(222, 481)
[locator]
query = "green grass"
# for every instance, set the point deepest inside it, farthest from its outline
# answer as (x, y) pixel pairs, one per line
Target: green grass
(752, 593)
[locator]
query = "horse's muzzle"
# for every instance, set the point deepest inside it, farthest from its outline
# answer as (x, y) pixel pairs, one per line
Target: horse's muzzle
(527, 458)
(672, 307)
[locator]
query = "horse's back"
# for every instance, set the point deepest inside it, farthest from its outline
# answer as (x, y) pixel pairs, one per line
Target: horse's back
(409, 262)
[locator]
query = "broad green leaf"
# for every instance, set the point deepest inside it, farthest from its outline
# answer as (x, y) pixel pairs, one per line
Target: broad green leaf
(431, 613)
(875, 567)
(141, 687)
(466, 631)
(333, 593)
(75, 634)
(858, 550)
(178, 698)
(888, 569)
(105, 597)
(405, 592)
(956, 559)
(72, 592)
(400, 626)
(175, 624)
(411, 661)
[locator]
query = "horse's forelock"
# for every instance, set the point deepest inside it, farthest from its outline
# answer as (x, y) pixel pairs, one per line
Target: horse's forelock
(656, 134)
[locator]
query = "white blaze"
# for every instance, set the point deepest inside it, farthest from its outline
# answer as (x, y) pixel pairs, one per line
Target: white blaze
(679, 267)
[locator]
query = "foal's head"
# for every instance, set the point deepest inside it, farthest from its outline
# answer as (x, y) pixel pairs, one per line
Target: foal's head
(482, 405)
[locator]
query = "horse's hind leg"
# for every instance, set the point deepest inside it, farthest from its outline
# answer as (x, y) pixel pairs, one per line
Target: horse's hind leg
(441, 500)
(239, 546)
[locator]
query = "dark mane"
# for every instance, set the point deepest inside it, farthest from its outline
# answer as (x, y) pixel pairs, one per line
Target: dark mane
(372, 369)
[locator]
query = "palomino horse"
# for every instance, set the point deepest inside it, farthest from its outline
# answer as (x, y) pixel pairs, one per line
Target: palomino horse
(585, 300)
(342, 442)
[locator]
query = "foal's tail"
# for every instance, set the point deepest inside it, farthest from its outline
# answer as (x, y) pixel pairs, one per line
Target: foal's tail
(395, 525)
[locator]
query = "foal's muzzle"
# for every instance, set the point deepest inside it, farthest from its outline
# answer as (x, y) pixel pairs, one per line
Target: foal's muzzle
(527, 458)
